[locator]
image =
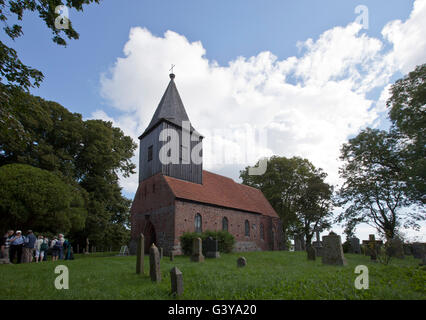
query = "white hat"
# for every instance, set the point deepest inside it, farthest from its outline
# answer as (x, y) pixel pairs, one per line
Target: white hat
(19, 231)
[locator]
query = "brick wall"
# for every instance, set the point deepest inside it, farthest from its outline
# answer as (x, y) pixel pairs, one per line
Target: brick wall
(212, 220)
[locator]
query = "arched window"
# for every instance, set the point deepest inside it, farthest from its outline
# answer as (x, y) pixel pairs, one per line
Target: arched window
(225, 224)
(262, 232)
(247, 228)
(198, 223)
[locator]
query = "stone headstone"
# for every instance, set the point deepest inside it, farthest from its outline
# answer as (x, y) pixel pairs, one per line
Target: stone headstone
(354, 246)
(161, 252)
(241, 262)
(297, 243)
(154, 264)
(172, 255)
(395, 248)
(140, 255)
(197, 251)
(310, 250)
(211, 248)
(418, 250)
(176, 279)
(372, 247)
(407, 249)
(333, 250)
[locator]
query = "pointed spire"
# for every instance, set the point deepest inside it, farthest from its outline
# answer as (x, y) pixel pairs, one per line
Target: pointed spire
(170, 108)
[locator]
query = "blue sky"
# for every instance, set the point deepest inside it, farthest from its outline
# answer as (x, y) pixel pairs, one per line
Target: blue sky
(227, 29)
(301, 70)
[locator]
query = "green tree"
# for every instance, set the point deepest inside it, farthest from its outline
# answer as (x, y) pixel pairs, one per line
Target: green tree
(32, 198)
(297, 192)
(91, 153)
(373, 188)
(407, 111)
(12, 69)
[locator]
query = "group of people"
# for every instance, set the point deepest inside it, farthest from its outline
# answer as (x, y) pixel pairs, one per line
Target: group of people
(26, 248)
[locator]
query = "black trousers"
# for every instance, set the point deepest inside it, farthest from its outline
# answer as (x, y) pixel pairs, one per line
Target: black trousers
(15, 250)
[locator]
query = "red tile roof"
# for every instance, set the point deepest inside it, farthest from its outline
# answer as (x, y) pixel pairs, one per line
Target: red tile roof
(222, 191)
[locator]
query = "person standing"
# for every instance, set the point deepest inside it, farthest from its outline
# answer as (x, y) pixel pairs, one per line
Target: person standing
(61, 246)
(38, 252)
(5, 244)
(55, 245)
(29, 246)
(16, 244)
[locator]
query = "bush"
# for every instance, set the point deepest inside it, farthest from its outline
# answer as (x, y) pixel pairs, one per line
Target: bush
(225, 240)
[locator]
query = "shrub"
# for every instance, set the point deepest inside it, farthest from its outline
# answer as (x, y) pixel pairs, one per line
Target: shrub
(225, 240)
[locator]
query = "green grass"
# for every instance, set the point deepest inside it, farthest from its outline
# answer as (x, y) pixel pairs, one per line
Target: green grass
(268, 275)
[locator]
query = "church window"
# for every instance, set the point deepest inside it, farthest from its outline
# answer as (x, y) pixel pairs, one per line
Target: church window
(247, 228)
(198, 223)
(149, 153)
(225, 224)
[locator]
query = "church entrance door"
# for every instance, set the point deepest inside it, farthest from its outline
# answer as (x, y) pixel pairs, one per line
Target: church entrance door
(150, 236)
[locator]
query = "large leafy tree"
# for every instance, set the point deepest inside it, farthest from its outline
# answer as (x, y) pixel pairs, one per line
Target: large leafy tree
(373, 189)
(33, 198)
(297, 192)
(12, 69)
(91, 153)
(407, 111)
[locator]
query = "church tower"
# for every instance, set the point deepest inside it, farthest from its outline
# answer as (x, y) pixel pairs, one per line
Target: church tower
(170, 145)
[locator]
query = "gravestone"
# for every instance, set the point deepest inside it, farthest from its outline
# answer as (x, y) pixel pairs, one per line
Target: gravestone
(154, 264)
(354, 245)
(161, 252)
(172, 255)
(297, 243)
(197, 251)
(176, 279)
(407, 249)
(418, 249)
(317, 244)
(140, 255)
(395, 248)
(333, 250)
(310, 250)
(211, 248)
(241, 262)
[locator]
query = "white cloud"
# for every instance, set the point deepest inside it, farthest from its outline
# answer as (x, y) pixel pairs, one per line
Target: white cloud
(309, 104)
(408, 39)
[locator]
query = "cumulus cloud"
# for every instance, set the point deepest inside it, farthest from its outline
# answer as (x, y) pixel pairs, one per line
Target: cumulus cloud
(306, 105)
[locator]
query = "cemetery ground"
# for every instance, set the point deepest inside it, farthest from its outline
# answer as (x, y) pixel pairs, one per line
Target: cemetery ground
(268, 275)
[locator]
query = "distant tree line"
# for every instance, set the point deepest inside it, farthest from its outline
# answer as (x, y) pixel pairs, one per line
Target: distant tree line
(383, 173)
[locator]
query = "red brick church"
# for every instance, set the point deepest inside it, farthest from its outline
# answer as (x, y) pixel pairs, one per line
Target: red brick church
(180, 197)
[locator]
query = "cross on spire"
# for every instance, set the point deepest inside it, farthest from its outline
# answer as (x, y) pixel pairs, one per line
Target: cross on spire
(171, 69)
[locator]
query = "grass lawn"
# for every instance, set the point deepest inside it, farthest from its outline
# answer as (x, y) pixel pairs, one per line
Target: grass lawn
(268, 275)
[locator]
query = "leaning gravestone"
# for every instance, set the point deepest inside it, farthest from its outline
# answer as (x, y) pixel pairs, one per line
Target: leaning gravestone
(197, 251)
(241, 262)
(310, 250)
(354, 246)
(176, 279)
(140, 255)
(212, 248)
(333, 250)
(154, 264)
